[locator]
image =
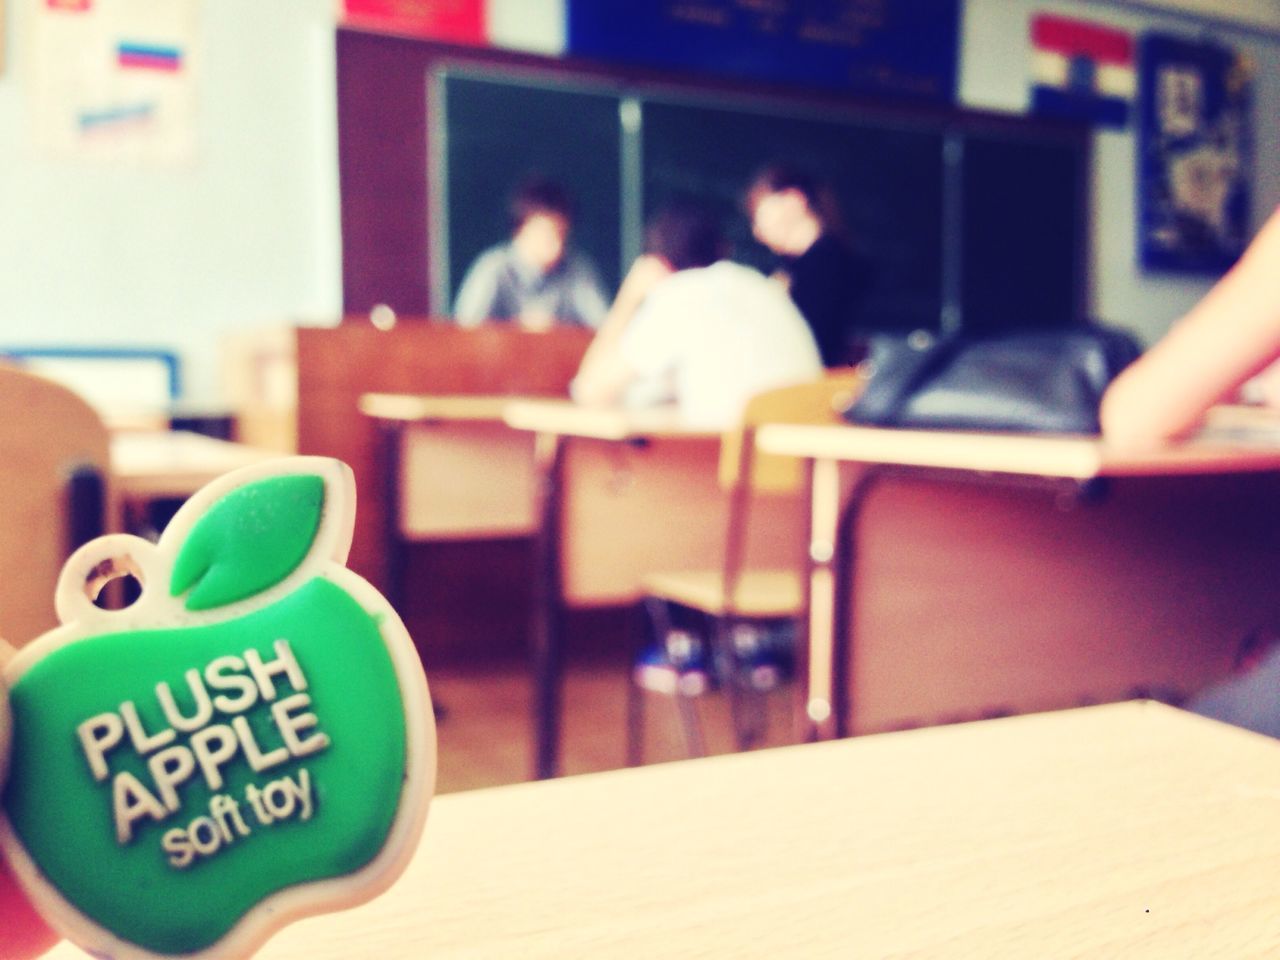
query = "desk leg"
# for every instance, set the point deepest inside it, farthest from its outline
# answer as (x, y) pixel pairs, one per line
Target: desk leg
(548, 607)
(391, 444)
(829, 599)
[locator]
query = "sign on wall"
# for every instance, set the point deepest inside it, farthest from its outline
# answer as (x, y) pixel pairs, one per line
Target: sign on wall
(1195, 155)
(898, 48)
(114, 79)
(1081, 70)
(455, 21)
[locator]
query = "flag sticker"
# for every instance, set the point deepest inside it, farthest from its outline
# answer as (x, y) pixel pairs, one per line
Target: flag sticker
(113, 119)
(147, 56)
(1081, 70)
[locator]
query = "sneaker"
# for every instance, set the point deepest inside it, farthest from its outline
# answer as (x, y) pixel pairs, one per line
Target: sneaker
(679, 665)
(764, 654)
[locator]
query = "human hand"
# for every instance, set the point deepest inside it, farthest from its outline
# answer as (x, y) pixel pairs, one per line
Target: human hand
(25, 934)
(536, 319)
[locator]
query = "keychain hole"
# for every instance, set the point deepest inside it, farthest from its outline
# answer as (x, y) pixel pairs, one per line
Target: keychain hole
(115, 584)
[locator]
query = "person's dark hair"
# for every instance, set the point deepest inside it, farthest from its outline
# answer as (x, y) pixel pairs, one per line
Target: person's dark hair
(539, 194)
(686, 234)
(777, 177)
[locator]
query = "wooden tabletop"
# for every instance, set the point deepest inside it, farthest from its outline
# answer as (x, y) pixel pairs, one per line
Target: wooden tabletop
(174, 463)
(1032, 455)
(1129, 830)
(427, 408)
(536, 414)
(566, 418)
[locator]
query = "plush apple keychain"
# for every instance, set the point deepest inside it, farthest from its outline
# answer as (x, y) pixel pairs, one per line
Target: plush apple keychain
(249, 742)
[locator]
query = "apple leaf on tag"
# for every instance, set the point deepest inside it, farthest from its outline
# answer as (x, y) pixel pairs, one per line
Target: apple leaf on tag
(249, 540)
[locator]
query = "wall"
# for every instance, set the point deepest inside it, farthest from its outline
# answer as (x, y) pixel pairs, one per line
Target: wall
(176, 257)
(249, 233)
(994, 74)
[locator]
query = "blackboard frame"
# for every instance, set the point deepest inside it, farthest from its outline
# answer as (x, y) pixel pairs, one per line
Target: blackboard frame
(385, 111)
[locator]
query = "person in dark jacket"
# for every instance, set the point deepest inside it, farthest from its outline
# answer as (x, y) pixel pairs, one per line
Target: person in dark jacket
(796, 217)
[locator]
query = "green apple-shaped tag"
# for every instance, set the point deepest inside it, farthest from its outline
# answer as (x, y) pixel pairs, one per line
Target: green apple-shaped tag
(248, 742)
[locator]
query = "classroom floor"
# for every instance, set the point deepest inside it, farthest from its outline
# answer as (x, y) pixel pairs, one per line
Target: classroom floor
(485, 736)
(467, 606)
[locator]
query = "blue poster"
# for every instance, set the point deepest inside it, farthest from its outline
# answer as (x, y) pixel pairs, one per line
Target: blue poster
(894, 48)
(1195, 155)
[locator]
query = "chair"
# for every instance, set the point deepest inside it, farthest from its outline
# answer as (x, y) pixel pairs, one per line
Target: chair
(128, 386)
(749, 614)
(54, 460)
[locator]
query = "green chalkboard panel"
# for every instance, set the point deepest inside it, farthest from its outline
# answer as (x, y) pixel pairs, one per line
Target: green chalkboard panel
(1021, 246)
(497, 131)
(887, 182)
(964, 220)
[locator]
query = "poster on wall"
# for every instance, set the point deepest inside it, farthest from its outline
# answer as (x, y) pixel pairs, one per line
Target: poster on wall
(455, 21)
(1195, 155)
(895, 48)
(534, 27)
(114, 80)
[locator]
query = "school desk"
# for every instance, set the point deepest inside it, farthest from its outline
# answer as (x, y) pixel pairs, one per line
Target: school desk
(1127, 830)
(338, 365)
(1069, 636)
(451, 470)
(621, 495)
(150, 464)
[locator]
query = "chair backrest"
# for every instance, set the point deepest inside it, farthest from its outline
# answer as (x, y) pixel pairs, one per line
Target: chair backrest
(816, 401)
(54, 462)
(744, 470)
(124, 384)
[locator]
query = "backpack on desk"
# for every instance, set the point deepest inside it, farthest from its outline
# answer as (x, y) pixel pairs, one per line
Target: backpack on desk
(1045, 381)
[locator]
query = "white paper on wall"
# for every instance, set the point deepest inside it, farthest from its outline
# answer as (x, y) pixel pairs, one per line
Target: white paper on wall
(114, 80)
(535, 26)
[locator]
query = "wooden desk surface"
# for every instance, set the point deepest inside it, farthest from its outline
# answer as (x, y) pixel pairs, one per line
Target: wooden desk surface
(426, 408)
(1053, 456)
(1127, 830)
(174, 463)
(568, 419)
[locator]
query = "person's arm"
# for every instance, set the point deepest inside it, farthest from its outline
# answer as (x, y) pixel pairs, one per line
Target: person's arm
(26, 935)
(604, 374)
(588, 303)
(1229, 336)
(479, 291)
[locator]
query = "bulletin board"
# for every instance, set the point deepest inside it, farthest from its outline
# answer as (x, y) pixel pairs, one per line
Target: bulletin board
(1195, 155)
(114, 80)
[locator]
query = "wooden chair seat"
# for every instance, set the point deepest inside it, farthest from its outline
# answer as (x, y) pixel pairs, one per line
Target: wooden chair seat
(731, 595)
(54, 464)
(759, 594)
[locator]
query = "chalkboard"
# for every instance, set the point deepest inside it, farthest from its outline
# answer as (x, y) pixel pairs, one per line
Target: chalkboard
(961, 223)
(1020, 242)
(887, 183)
(497, 132)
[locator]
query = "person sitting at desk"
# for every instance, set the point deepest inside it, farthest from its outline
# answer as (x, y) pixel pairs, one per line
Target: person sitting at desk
(797, 218)
(1226, 340)
(535, 279)
(691, 328)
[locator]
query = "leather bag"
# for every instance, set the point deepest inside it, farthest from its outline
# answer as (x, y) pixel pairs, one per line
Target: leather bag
(1043, 381)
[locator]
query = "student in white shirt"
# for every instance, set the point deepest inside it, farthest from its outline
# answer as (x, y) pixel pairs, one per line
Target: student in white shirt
(690, 328)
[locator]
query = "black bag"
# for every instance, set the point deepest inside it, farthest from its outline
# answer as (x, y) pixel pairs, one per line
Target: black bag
(1047, 381)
